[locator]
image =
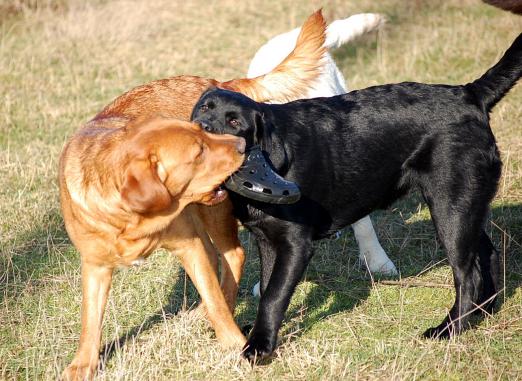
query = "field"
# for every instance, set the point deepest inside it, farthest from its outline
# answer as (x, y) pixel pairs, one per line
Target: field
(61, 61)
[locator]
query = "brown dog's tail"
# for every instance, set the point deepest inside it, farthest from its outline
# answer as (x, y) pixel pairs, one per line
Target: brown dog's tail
(295, 74)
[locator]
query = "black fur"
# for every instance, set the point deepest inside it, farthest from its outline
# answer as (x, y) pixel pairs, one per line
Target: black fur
(354, 153)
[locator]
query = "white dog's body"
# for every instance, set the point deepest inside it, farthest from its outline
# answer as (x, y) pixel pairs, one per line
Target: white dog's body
(339, 32)
(330, 83)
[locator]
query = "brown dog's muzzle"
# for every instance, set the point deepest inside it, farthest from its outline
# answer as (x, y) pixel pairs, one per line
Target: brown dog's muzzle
(227, 160)
(238, 142)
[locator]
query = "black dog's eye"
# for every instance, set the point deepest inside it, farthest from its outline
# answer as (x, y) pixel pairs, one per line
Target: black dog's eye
(203, 108)
(234, 122)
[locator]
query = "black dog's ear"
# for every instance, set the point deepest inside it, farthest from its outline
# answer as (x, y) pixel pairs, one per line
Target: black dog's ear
(261, 128)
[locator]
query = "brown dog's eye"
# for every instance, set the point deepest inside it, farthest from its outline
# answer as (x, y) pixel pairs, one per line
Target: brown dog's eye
(203, 108)
(234, 122)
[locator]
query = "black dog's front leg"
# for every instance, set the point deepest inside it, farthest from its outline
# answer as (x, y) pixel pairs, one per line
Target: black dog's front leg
(292, 257)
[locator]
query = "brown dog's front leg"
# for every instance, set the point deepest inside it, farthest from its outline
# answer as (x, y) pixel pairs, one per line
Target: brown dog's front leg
(221, 226)
(96, 283)
(202, 273)
(232, 262)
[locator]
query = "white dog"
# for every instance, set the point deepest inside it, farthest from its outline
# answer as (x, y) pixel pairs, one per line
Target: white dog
(330, 83)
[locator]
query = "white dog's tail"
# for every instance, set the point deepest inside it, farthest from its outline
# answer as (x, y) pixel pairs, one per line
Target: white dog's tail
(340, 32)
(292, 76)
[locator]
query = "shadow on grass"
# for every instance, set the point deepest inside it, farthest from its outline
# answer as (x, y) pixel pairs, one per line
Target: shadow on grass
(414, 248)
(183, 294)
(506, 234)
(32, 255)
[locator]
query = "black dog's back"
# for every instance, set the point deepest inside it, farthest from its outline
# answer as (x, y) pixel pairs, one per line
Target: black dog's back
(369, 146)
(356, 152)
(412, 125)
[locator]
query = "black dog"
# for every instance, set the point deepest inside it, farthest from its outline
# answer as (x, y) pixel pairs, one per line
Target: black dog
(354, 153)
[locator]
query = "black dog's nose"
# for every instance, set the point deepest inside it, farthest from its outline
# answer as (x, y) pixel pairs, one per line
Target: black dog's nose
(205, 126)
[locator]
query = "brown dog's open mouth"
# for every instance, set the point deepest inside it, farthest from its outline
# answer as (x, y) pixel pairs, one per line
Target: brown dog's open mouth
(215, 197)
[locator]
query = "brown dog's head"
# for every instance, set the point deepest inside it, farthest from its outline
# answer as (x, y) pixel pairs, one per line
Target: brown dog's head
(170, 162)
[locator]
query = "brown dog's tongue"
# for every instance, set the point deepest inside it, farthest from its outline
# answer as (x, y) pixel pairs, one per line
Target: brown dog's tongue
(257, 180)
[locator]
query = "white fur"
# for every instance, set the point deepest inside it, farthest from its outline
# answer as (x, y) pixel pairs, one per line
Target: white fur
(330, 83)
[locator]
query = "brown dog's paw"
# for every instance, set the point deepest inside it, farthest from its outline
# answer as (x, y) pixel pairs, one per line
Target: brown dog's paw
(200, 312)
(78, 373)
(232, 340)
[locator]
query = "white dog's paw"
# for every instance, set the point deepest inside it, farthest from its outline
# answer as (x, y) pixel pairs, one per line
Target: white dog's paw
(256, 290)
(377, 262)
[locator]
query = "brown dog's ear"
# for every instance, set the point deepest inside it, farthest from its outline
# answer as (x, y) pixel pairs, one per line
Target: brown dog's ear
(142, 189)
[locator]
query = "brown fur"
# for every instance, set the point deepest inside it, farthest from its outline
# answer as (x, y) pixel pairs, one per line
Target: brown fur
(127, 183)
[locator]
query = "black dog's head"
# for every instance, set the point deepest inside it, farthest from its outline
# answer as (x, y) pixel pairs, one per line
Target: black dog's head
(226, 112)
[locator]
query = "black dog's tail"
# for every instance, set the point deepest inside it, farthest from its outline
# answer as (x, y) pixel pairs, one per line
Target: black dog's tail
(497, 81)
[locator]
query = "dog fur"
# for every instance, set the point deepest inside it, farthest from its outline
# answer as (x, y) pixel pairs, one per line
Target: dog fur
(339, 32)
(331, 82)
(120, 190)
(118, 210)
(365, 150)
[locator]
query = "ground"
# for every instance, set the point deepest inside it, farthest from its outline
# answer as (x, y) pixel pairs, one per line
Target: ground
(61, 61)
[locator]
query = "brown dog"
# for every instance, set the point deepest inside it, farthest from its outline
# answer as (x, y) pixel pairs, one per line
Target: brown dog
(125, 182)
(121, 189)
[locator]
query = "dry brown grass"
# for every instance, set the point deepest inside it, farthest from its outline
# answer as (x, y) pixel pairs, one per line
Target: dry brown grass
(60, 62)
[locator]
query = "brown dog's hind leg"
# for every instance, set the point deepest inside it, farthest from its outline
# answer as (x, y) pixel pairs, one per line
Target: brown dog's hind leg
(191, 244)
(200, 269)
(96, 283)
(221, 226)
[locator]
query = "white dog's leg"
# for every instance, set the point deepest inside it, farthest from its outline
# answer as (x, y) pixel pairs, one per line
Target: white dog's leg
(371, 253)
(256, 290)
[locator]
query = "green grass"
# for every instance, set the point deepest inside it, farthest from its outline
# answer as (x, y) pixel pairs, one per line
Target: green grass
(62, 61)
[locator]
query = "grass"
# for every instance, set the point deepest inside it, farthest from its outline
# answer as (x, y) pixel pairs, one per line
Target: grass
(62, 61)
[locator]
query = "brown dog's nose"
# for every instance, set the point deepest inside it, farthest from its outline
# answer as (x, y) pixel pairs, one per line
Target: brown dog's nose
(241, 144)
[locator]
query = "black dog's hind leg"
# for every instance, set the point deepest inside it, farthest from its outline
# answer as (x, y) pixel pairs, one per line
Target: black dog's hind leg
(292, 257)
(472, 257)
(489, 260)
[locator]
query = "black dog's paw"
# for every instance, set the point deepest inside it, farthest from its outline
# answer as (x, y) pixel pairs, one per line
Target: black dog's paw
(245, 330)
(443, 332)
(258, 349)
(486, 306)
